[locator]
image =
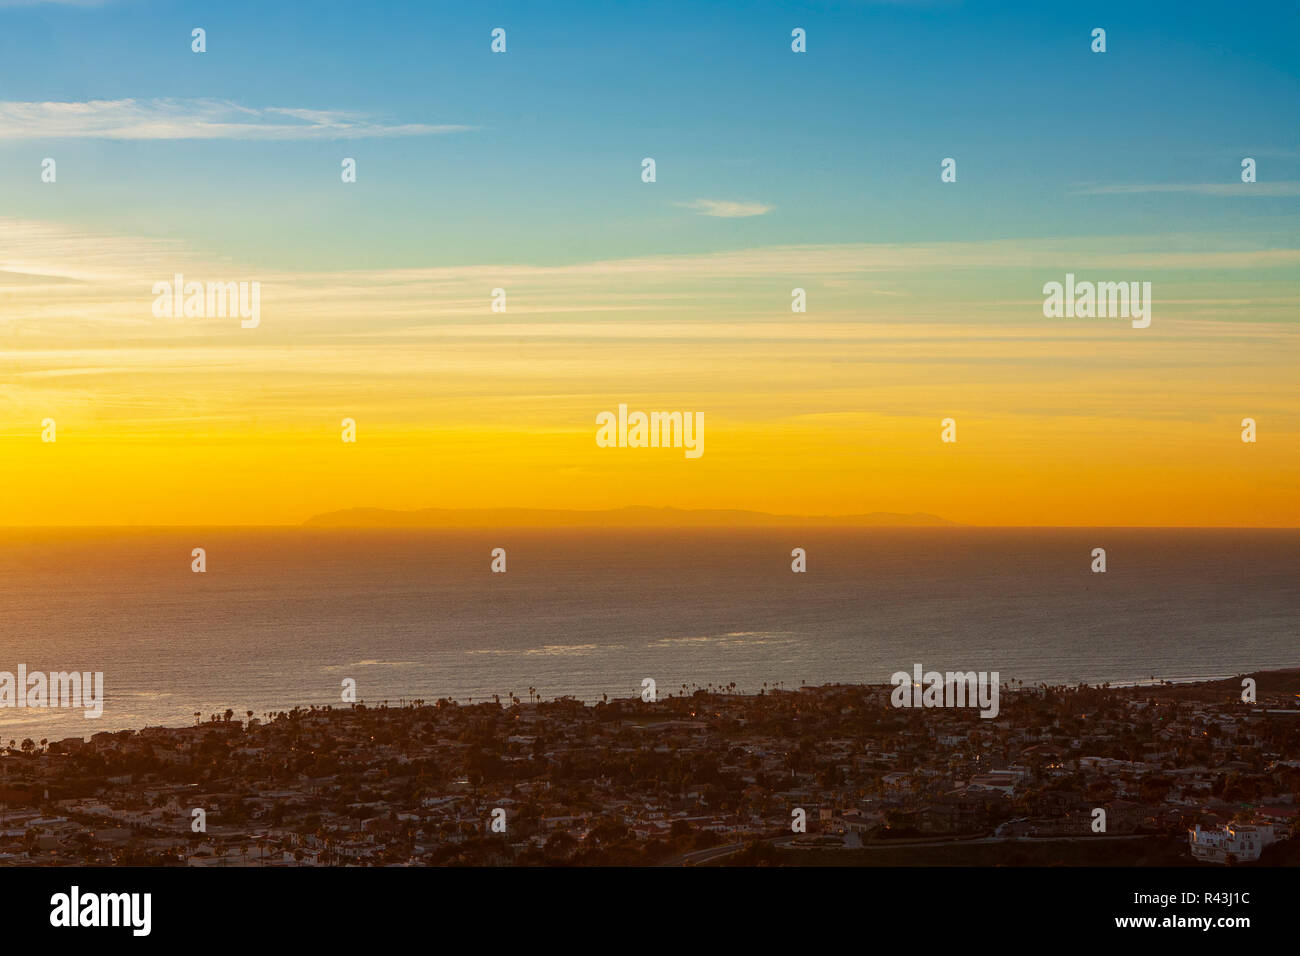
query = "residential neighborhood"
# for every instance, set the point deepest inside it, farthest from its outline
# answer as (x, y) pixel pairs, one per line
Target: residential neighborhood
(1188, 772)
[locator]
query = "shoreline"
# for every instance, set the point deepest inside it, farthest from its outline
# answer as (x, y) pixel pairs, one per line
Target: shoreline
(1267, 679)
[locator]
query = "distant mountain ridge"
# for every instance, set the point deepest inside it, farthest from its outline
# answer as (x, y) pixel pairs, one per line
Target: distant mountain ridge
(629, 517)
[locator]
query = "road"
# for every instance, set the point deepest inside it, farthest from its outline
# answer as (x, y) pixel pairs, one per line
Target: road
(696, 857)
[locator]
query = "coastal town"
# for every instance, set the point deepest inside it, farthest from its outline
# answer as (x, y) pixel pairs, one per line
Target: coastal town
(1158, 774)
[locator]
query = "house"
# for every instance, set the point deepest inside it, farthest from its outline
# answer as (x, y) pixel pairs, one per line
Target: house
(1234, 843)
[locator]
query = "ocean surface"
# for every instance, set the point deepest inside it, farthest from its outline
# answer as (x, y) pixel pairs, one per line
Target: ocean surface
(282, 616)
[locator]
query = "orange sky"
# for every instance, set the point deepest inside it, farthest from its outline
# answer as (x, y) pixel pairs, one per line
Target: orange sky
(834, 411)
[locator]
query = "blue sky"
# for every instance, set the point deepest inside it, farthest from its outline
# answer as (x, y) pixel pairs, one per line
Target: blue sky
(843, 143)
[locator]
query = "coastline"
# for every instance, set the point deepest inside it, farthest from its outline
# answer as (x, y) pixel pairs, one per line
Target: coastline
(710, 776)
(1267, 679)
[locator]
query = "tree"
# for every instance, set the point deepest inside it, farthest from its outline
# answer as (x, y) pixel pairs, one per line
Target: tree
(559, 845)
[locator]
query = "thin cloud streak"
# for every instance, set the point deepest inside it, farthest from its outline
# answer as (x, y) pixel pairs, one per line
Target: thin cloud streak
(726, 208)
(130, 119)
(1288, 188)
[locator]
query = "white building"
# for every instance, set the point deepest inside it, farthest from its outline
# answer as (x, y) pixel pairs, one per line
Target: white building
(1238, 842)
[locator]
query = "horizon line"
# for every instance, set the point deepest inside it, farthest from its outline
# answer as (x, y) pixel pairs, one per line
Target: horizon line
(947, 526)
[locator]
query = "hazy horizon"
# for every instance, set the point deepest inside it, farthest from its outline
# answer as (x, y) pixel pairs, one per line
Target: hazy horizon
(943, 524)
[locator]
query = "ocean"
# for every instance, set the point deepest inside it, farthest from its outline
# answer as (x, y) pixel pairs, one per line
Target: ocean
(282, 616)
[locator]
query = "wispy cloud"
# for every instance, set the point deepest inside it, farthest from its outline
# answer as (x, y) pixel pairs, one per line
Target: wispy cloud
(43, 254)
(192, 119)
(66, 289)
(1289, 188)
(726, 208)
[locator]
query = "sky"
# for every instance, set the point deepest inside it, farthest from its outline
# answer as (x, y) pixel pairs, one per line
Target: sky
(775, 170)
